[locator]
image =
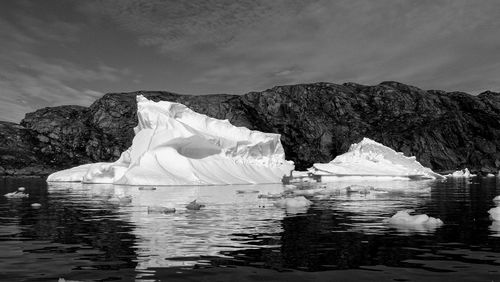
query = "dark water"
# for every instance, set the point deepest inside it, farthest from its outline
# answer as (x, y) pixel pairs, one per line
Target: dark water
(93, 233)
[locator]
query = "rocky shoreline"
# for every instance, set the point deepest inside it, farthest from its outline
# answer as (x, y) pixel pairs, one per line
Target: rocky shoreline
(444, 130)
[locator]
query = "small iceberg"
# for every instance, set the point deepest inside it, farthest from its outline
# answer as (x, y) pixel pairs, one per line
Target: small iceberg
(194, 206)
(464, 173)
(174, 145)
(16, 195)
(369, 159)
(495, 213)
(403, 218)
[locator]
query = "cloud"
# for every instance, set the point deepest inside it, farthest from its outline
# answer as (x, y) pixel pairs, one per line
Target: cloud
(29, 80)
(63, 52)
(170, 25)
(236, 46)
(432, 45)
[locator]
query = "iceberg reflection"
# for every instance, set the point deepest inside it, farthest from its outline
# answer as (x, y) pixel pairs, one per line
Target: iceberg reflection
(234, 216)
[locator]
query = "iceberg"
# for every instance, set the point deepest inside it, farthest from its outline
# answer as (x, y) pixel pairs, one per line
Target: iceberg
(405, 219)
(495, 213)
(464, 173)
(370, 159)
(174, 145)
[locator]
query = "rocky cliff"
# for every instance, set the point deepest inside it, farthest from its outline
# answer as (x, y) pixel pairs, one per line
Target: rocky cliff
(444, 130)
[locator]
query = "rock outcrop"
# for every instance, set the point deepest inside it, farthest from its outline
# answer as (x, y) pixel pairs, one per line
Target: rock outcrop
(444, 130)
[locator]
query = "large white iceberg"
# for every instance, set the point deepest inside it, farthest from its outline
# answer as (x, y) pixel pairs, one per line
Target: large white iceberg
(369, 158)
(174, 145)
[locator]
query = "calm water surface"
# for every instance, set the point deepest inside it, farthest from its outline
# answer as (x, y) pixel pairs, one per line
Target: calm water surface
(105, 233)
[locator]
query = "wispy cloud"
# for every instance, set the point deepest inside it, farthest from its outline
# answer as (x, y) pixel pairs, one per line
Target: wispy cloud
(58, 52)
(29, 80)
(197, 24)
(243, 45)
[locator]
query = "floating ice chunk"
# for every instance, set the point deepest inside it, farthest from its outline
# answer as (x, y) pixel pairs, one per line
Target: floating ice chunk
(16, 195)
(495, 213)
(296, 202)
(465, 173)
(36, 205)
(194, 206)
(270, 196)
(161, 209)
(372, 159)
(174, 145)
(247, 191)
(404, 218)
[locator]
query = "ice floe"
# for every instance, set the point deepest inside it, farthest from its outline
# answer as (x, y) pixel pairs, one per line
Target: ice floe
(403, 218)
(174, 145)
(16, 195)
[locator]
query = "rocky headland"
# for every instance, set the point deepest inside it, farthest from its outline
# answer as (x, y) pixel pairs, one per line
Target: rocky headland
(318, 121)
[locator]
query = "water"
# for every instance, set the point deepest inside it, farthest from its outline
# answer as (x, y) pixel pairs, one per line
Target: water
(105, 233)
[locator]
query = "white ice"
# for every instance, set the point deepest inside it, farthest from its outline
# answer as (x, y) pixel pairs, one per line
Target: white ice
(16, 195)
(464, 173)
(403, 218)
(369, 159)
(495, 213)
(174, 145)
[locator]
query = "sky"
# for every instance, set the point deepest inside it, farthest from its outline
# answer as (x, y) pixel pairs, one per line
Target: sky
(58, 52)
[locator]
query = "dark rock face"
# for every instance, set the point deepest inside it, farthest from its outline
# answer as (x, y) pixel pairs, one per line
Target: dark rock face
(317, 122)
(19, 151)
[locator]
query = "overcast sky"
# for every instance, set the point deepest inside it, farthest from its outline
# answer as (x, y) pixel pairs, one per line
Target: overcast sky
(56, 52)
